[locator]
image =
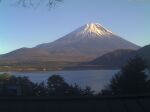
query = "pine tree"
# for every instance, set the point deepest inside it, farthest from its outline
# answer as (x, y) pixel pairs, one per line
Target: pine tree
(132, 79)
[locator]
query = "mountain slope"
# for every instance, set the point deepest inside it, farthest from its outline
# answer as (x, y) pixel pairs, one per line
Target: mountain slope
(84, 44)
(90, 40)
(116, 58)
(145, 53)
(119, 58)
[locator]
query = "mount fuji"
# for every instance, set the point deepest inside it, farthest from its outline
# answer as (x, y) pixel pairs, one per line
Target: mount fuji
(83, 44)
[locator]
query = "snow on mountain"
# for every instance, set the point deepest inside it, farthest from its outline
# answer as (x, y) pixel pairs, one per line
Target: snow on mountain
(83, 44)
(93, 30)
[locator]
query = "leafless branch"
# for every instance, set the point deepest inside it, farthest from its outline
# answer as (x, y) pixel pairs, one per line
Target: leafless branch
(32, 3)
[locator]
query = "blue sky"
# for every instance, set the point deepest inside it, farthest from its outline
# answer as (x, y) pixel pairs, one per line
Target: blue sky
(27, 27)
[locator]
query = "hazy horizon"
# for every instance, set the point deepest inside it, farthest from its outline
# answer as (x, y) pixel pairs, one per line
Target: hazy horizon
(27, 27)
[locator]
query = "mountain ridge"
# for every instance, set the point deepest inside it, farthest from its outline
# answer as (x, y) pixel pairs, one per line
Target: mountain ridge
(83, 44)
(120, 57)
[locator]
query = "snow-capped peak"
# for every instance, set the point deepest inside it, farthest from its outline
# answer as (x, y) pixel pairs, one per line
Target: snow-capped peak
(94, 30)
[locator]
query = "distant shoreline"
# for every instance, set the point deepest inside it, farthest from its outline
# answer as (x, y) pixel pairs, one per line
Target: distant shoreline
(68, 68)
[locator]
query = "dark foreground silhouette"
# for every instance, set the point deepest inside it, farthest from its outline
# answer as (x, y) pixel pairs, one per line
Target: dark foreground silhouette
(133, 79)
(55, 86)
(128, 91)
(76, 104)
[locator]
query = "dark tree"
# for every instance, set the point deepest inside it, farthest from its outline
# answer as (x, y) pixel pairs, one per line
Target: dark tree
(87, 92)
(40, 89)
(76, 90)
(132, 79)
(57, 86)
(18, 86)
(26, 86)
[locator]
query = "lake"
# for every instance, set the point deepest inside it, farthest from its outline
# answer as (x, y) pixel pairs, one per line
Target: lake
(96, 79)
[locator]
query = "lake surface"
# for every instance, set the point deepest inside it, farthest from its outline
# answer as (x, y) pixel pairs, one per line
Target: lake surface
(96, 79)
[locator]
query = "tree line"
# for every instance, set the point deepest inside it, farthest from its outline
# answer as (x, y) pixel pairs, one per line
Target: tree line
(132, 79)
(55, 86)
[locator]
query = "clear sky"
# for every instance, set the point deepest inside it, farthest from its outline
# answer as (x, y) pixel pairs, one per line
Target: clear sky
(25, 27)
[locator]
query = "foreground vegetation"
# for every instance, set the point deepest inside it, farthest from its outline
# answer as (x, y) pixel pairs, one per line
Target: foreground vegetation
(55, 86)
(131, 80)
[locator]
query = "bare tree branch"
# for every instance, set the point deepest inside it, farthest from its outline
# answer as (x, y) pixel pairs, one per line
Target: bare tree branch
(32, 3)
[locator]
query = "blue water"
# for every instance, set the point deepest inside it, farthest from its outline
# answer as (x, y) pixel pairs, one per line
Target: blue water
(96, 79)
